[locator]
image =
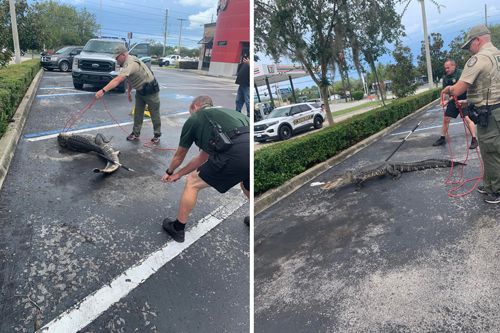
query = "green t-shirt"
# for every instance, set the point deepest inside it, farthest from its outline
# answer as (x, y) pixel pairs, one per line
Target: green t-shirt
(449, 80)
(198, 129)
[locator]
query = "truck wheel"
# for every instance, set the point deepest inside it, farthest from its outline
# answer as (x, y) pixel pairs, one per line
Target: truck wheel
(285, 132)
(160, 64)
(64, 66)
(167, 63)
(78, 85)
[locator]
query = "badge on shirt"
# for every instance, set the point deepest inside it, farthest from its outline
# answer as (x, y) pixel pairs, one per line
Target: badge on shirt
(472, 61)
(453, 80)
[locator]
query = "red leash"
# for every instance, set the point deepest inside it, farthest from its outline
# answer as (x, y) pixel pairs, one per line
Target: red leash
(74, 117)
(452, 192)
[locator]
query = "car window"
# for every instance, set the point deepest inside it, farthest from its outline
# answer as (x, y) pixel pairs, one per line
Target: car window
(63, 50)
(305, 107)
(296, 109)
(281, 112)
(316, 105)
(140, 50)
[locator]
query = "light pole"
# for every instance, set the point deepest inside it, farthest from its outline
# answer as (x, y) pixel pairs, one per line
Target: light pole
(426, 44)
(15, 37)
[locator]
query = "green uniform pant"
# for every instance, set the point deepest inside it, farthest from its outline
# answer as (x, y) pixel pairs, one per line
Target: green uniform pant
(153, 102)
(489, 142)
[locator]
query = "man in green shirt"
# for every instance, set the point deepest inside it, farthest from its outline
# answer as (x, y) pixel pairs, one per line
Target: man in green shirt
(452, 76)
(211, 167)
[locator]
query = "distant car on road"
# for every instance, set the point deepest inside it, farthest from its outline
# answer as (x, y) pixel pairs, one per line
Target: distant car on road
(62, 59)
(169, 60)
(284, 121)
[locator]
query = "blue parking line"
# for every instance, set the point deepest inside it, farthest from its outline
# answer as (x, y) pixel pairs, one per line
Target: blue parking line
(38, 134)
(89, 126)
(66, 94)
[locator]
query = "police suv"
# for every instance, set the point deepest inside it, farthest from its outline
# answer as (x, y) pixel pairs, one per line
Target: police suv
(283, 122)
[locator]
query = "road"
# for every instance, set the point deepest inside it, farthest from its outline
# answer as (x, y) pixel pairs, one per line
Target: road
(72, 240)
(394, 256)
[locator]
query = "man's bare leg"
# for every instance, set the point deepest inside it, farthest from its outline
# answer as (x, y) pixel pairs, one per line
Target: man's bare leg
(188, 199)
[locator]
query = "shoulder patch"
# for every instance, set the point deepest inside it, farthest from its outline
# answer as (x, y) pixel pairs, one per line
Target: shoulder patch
(472, 61)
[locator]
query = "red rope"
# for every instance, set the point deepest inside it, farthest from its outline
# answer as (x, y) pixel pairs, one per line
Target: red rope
(149, 145)
(460, 181)
(75, 116)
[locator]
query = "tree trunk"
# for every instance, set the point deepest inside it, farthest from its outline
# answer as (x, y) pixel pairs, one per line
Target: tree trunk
(374, 69)
(324, 93)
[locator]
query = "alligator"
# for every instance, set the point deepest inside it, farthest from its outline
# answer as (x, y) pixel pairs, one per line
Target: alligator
(86, 143)
(394, 169)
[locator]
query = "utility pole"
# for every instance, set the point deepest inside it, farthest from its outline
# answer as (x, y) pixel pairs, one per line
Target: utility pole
(485, 15)
(15, 37)
(100, 18)
(180, 34)
(427, 49)
(165, 32)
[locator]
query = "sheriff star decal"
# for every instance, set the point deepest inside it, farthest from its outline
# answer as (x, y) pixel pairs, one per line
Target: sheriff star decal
(472, 61)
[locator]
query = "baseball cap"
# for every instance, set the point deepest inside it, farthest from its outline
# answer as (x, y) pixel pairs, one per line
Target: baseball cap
(119, 50)
(474, 32)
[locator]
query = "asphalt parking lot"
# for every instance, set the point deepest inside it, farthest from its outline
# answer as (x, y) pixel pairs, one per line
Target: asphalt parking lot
(395, 256)
(92, 245)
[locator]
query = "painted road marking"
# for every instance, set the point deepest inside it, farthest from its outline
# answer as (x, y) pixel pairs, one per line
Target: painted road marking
(92, 306)
(39, 136)
(426, 128)
(65, 94)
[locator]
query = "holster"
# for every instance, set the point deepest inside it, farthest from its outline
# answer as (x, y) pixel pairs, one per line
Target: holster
(149, 88)
(479, 115)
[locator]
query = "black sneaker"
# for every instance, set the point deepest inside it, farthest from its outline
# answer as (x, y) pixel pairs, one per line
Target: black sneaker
(177, 235)
(246, 220)
(493, 198)
(481, 190)
(132, 137)
(440, 141)
(473, 143)
(156, 139)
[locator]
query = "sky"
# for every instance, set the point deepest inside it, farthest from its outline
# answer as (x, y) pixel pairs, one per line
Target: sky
(453, 17)
(146, 18)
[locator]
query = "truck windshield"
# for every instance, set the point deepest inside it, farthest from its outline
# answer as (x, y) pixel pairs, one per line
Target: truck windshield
(100, 46)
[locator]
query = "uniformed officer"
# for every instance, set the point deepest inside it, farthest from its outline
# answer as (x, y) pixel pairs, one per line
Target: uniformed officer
(141, 78)
(218, 168)
(451, 77)
(481, 80)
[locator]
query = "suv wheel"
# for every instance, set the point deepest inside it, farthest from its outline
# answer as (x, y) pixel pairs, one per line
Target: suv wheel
(318, 122)
(160, 64)
(167, 63)
(78, 85)
(64, 66)
(285, 132)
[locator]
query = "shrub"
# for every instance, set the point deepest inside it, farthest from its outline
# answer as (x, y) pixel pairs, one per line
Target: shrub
(276, 164)
(188, 64)
(14, 81)
(357, 95)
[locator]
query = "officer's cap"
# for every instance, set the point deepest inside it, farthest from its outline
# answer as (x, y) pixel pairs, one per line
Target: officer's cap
(119, 50)
(474, 32)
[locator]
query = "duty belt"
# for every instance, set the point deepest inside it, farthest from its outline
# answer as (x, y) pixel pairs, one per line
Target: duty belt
(238, 131)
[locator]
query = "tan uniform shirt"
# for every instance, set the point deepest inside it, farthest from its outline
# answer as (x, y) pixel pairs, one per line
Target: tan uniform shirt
(136, 72)
(482, 72)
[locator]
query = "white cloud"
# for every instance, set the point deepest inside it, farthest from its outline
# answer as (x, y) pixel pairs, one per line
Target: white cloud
(198, 3)
(196, 20)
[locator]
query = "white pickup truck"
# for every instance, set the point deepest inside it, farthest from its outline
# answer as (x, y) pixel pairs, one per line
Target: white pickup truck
(169, 60)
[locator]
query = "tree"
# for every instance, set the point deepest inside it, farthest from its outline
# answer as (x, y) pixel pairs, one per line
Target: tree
(372, 24)
(455, 51)
(402, 73)
(438, 56)
(495, 34)
(302, 30)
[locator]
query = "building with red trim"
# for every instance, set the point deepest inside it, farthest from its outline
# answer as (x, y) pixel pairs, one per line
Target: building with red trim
(232, 36)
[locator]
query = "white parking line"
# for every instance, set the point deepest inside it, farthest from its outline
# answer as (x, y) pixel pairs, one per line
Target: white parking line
(92, 306)
(426, 128)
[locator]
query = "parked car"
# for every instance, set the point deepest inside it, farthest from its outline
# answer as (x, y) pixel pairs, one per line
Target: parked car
(96, 64)
(169, 60)
(62, 59)
(284, 121)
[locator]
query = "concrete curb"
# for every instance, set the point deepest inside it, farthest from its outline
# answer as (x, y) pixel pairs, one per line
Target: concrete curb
(9, 140)
(270, 197)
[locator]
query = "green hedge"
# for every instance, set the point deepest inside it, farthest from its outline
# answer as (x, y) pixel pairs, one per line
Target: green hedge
(276, 164)
(14, 81)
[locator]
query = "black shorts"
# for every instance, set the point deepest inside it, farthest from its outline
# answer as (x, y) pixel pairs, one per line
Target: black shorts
(452, 110)
(224, 170)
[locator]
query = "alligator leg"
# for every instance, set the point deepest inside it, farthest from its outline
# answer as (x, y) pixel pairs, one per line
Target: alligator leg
(391, 170)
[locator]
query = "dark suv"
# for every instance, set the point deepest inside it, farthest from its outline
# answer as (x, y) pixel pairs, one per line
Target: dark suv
(62, 59)
(96, 64)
